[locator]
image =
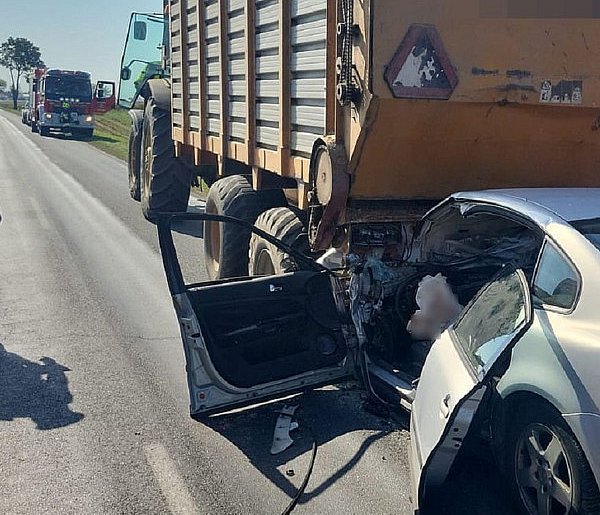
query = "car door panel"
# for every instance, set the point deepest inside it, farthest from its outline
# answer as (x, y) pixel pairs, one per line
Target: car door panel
(457, 375)
(274, 333)
(250, 339)
(441, 392)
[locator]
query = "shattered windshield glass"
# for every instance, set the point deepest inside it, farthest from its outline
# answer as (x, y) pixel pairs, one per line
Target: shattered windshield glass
(590, 229)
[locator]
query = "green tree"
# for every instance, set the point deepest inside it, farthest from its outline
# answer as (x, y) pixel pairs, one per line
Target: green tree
(20, 56)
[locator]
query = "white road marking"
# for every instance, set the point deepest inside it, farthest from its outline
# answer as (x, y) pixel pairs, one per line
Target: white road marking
(171, 483)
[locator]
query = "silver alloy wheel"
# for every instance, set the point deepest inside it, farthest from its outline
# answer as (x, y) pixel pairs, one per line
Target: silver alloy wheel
(544, 474)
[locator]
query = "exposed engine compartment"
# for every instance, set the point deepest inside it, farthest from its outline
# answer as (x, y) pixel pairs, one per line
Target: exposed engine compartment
(464, 251)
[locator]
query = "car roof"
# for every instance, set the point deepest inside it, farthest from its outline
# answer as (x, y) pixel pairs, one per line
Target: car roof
(542, 205)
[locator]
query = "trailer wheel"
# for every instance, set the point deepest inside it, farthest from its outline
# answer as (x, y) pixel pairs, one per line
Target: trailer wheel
(165, 180)
(133, 163)
(264, 258)
(226, 244)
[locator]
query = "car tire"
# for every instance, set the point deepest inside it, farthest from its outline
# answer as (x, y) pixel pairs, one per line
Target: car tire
(545, 464)
(226, 244)
(133, 163)
(264, 258)
(34, 126)
(165, 180)
(44, 131)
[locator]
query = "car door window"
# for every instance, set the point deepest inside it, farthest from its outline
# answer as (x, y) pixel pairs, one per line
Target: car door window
(491, 320)
(556, 281)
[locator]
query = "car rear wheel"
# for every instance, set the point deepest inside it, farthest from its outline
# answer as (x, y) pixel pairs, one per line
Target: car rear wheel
(548, 472)
(264, 258)
(226, 244)
(44, 131)
(34, 126)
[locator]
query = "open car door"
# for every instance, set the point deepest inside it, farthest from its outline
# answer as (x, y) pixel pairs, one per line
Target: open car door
(104, 97)
(252, 338)
(457, 374)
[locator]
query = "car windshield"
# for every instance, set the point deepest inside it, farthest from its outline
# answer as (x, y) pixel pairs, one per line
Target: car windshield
(68, 87)
(590, 229)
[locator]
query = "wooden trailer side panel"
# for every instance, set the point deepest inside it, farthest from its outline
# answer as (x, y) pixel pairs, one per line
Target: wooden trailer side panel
(249, 80)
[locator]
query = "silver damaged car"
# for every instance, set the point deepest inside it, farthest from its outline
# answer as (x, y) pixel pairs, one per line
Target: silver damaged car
(517, 367)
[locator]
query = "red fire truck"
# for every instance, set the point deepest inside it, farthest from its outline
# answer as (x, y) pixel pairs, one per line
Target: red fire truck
(63, 100)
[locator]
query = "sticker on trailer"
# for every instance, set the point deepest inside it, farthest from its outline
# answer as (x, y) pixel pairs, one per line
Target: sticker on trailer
(421, 67)
(564, 92)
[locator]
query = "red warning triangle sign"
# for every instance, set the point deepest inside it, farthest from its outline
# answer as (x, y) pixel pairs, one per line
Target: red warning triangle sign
(421, 67)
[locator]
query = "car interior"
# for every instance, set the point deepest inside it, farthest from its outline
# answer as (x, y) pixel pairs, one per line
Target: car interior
(468, 250)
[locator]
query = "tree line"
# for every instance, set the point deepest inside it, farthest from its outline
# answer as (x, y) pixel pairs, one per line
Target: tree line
(20, 56)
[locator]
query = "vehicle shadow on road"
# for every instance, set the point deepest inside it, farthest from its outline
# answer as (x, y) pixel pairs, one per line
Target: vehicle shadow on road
(193, 228)
(101, 138)
(323, 415)
(74, 137)
(35, 390)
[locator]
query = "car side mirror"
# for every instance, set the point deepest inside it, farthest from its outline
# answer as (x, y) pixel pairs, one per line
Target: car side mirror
(140, 30)
(125, 73)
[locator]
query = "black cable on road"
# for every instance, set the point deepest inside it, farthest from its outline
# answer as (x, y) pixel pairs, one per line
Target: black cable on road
(296, 498)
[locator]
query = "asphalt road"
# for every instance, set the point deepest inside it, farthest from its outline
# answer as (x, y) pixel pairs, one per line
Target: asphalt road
(93, 398)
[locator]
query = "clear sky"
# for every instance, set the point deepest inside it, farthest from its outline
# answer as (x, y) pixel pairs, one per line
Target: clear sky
(83, 35)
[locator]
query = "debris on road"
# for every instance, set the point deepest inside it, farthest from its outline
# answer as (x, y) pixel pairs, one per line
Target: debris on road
(281, 436)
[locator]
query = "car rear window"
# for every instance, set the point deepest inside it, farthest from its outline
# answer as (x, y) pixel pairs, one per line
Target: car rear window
(590, 229)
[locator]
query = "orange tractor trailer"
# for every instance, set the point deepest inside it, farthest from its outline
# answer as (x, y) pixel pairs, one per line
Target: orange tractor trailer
(307, 117)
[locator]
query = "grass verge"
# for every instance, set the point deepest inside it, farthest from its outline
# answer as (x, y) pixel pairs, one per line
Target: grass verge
(112, 133)
(7, 105)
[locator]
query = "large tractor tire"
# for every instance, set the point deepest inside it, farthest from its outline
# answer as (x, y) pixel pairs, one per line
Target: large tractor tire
(264, 258)
(165, 180)
(134, 163)
(226, 244)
